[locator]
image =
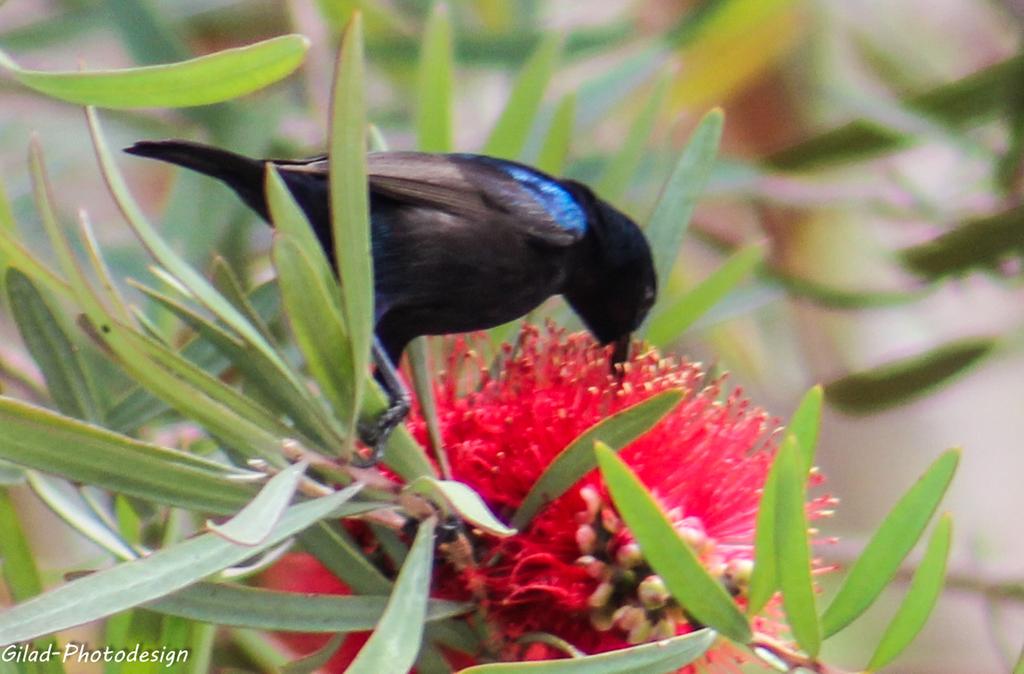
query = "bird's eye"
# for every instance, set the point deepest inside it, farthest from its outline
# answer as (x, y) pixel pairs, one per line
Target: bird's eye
(648, 299)
(642, 306)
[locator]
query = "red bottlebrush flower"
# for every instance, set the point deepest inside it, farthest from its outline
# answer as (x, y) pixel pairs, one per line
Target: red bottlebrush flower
(574, 571)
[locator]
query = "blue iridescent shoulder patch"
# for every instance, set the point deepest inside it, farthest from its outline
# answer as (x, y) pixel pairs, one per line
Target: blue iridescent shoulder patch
(554, 198)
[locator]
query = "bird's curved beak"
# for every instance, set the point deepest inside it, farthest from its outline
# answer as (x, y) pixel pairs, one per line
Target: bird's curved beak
(621, 351)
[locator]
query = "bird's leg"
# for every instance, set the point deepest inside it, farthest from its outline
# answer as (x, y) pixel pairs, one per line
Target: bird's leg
(376, 433)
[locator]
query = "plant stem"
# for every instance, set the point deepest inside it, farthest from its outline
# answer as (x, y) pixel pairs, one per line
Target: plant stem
(780, 653)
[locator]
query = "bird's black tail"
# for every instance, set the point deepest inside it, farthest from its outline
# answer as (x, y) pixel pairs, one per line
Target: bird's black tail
(242, 174)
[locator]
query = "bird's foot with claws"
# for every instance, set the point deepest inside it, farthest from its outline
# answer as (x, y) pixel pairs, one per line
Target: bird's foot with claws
(376, 433)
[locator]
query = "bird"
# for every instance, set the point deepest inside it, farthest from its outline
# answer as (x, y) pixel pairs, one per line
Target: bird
(460, 242)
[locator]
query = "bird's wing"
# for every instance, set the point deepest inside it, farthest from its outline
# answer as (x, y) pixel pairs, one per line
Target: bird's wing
(480, 189)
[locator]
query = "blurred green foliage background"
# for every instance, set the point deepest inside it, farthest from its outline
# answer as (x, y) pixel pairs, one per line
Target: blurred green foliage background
(872, 149)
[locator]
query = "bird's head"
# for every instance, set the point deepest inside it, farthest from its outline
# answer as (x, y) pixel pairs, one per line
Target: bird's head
(614, 285)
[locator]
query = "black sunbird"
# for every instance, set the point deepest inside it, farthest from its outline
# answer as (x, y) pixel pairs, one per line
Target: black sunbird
(461, 242)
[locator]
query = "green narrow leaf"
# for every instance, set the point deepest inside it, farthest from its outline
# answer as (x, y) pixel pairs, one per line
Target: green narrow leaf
(153, 37)
(458, 635)
(6, 214)
(13, 250)
(175, 635)
(463, 500)
(805, 424)
(7, 230)
(100, 268)
(69, 505)
(204, 292)
(670, 322)
(657, 658)
(390, 543)
(147, 34)
(803, 428)
(208, 79)
(10, 474)
(19, 568)
(977, 244)
(127, 520)
(376, 140)
(430, 660)
(435, 83)
(764, 579)
(901, 381)
(608, 89)
(503, 47)
(314, 317)
(981, 94)
(672, 214)
(272, 610)
(578, 459)
(308, 664)
(101, 325)
(403, 455)
(668, 554)
(38, 438)
(115, 631)
(289, 220)
(57, 357)
(58, 28)
(1019, 667)
(130, 584)
(218, 408)
(259, 371)
(43, 196)
(137, 406)
(890, 545)
(831, 297)
(395, 642)
(312, 298)
(267, 655)
(622, 166)
(423, 385)
(253, 523)
(223, 411)
(343, 557)
(1008, 167)
(200, 647)
(510, 132)
(917, 605)
(555, 148)
(143, 628)
(350, 210)
(504, 334)
(793, 550)
(855, 141)
(384, 19)
(230, 286)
